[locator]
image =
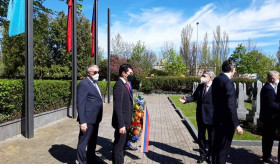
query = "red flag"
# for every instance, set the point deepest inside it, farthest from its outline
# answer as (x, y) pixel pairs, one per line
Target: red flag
(93, 33)
(69, 27)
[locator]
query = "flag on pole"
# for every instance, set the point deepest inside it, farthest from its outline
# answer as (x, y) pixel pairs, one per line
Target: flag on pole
(145, 132)
(69, 27)
(93, 33)
(16, 16)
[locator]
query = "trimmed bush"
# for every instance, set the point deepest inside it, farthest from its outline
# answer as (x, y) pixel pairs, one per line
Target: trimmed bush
(48, 95)
(168, 83)
(243, 80)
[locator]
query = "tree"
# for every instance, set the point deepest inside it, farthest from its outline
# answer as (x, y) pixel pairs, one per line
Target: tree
(142, 57)
(205, 54)
(173, 63)
(252, 62)
(188, 50)
(278, 56)
(121, 48)
(219, 48)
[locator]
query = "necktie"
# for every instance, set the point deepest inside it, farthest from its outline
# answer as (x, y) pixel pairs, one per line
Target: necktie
(127, 86)
(205, 90)
(94, 83)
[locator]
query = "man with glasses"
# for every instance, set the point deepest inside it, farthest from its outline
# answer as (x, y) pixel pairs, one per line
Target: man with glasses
(90, 109)
(204, 114)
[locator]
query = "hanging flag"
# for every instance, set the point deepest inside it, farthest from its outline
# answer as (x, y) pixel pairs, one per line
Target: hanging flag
(16, 16)
(93, 33)
(69, 28)
(146, 131)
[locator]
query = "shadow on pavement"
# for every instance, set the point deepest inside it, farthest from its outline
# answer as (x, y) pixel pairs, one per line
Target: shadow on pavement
(66, 154)
(243, 156)
(170, 149)
(63, 153)
(105, 152)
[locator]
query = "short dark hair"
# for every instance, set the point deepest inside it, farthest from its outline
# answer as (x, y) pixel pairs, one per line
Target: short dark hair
(228, 65)
(124, 68)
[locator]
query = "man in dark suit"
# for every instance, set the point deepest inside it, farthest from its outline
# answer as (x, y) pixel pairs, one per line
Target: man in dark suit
(204, 113)
(128, 143)
(90, 108)
(122, 112)
(225, 118)
(270, 108)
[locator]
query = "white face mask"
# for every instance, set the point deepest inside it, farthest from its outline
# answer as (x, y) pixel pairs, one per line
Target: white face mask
(203, 80)
(276, 82)
(95, 77)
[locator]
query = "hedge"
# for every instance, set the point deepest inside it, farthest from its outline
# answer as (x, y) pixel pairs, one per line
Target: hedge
(48, 95)
(172, 84)
(168, 83)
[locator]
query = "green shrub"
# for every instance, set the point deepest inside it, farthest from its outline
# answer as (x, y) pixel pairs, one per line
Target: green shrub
(147, 86)
(2, 67)
(104, 86)
(243, 80)
(157, 72)
(48, 95)
(170, 83)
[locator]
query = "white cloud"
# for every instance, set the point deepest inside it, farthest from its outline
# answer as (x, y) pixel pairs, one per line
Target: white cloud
(157, 25)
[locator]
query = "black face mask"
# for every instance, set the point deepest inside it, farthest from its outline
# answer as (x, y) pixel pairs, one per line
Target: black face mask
(130, 77)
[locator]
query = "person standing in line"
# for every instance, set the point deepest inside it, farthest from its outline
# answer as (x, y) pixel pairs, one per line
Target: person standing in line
(122, 112)
(270, 108)
(204, 114)
(90, 109)
(225, 118)
(128, 143)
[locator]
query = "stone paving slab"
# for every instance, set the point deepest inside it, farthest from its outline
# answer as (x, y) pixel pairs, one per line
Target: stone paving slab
(170, 141)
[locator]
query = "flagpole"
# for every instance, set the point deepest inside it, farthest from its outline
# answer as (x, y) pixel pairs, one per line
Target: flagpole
(109, 55)
(96, 33)
(29, 79)
(74, 60)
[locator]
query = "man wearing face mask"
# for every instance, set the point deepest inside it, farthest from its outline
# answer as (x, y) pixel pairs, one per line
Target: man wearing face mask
(122, 112)
(225, 118)
(128, 143)
(90, 109)
(204, 114)
(269, 114)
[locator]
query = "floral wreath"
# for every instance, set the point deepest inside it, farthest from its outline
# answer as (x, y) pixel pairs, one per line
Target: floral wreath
(136, 125)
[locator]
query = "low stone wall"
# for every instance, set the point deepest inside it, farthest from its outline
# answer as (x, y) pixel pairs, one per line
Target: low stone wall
(15, 127)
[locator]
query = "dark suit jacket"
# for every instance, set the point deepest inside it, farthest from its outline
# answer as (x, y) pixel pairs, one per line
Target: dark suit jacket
(224, 102)
(204, 109)
(89, 103)
(123, 106)
(269, 105)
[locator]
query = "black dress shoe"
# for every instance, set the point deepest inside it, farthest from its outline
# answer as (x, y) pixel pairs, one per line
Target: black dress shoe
(201, 159)
(210, 160)
(130, 148)
(269, 160)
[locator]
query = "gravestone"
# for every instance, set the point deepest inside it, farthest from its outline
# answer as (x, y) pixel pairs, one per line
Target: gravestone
(241, 110)
(257, 101)
(195, 84)
(245, 91)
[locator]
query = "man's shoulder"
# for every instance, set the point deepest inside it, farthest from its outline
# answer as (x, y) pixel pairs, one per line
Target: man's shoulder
(219, 78)
(84, 81)
(118, 83)
(267, 86)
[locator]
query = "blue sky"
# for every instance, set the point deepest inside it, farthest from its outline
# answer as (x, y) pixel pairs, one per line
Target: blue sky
(157, 21)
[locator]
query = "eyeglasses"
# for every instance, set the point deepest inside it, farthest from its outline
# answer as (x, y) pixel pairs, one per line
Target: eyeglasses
(95, 72)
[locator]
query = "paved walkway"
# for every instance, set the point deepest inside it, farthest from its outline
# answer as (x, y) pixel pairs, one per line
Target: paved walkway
(170, 141)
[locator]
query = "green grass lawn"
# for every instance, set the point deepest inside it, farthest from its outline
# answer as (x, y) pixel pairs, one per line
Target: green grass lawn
(189, 110)
(247, 105)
